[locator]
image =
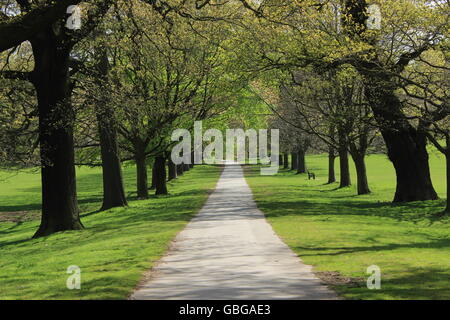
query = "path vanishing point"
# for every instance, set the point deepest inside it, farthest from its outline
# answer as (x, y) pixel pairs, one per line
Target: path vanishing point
(229, 252)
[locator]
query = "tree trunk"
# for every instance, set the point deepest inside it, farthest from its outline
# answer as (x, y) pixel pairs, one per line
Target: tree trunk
(142, 179)
(294, 163)
(286, 160)
(160, 174)
(301, 162)
(113, 189)
(344, 168)
(172, 169)
(406, 144)
(191, 165)
(410, 159)
(447, 160)
(56, 115)
(180, 169)
(331, 171)
(407, 151)
(153, 185)
(361, 173)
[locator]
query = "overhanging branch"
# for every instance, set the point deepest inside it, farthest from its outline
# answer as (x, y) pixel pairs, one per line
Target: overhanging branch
(22, 28)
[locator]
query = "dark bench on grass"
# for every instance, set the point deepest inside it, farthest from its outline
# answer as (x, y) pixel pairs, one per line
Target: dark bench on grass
(311, 175)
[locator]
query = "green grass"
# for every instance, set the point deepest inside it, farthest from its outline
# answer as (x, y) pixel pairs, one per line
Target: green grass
(339, 232)
(113, 251)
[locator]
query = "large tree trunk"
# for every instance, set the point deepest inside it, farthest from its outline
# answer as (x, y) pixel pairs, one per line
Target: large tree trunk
(160, 174)
(113, 189)
(286, 160)
(294, 163)
(361, 173)
(406, 145)
(142, 179)
(344, 168)
(56, 115)
(410, 159)
(331, 171)
(301, 162)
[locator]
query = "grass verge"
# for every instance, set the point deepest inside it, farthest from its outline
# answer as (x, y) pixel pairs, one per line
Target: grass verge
(114, 250)
(342, 234)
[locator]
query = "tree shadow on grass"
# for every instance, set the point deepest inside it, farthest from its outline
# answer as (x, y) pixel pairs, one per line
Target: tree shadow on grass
(174, 208)
(11, 229)
(331, 190)
(38, 206)
(131, 197)
(335, 251)
(21, 207)
(15, 242)
(412, 212)
(412, 284)
(88, 214)
(107, 287)
(345, 204)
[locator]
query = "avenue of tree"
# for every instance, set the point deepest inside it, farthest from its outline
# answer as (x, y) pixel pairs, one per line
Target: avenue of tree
(114, 90)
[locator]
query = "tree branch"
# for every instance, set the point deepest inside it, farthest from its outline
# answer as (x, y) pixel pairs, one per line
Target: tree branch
(95, 16)
(406, 58)
(22, 28)
(15, 75)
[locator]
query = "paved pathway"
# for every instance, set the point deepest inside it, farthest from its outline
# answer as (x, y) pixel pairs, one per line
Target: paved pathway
(229, 251)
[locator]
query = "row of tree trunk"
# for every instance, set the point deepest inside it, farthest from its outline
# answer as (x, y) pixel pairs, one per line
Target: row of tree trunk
(298, 164)
(298, 161)
(163, 170)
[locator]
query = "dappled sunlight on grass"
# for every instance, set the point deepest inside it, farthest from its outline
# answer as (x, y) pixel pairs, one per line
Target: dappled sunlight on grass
(113, 251)
(336, 230)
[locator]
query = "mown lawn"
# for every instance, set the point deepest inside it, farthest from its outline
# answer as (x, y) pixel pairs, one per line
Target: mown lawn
(342, 234)
(113, 251)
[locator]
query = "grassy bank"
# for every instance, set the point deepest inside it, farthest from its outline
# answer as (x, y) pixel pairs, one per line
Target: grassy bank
(113, 251)
(342, 234)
